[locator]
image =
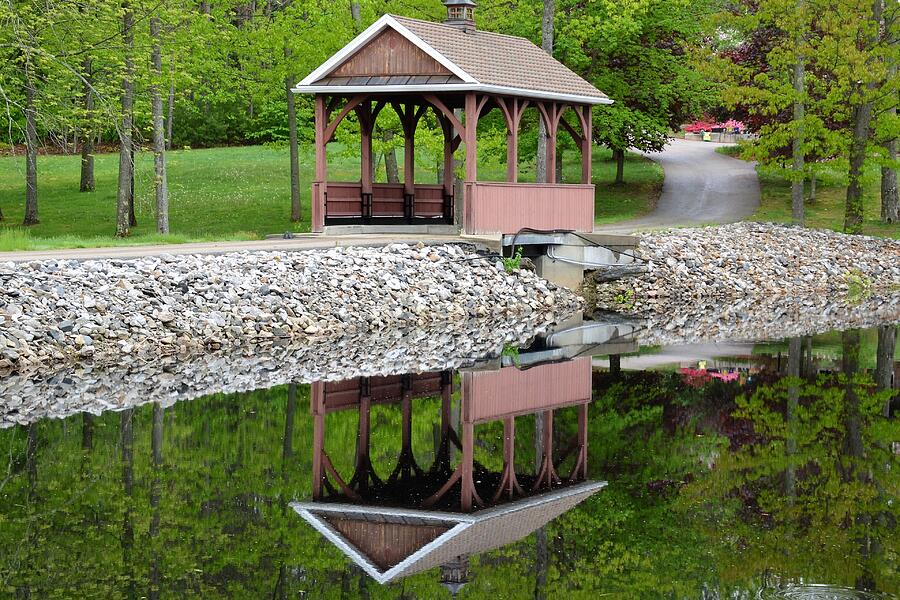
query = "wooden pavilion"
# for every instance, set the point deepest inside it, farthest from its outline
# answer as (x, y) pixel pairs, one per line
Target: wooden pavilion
(420, 517)
(461, 74)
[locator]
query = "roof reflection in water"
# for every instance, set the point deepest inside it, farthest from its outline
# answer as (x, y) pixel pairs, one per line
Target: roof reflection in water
(421, 517)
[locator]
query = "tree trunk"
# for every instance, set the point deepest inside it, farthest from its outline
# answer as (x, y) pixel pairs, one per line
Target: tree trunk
(87, 431)
(853, 213)
(126, 172)
(132, 217)
(619, 157)
(31, 142)
(797, 212)
(390, 157)
(356, 14)
(126, 433)
(156, 449)
(296, 209)
(159, 130)
(547, 45)
(615, 365)
(87, 132)
(890, 205)
(795, 352)
(862, 120)
(884, 360)
(287, 443)
(171, 112)
(541, 554)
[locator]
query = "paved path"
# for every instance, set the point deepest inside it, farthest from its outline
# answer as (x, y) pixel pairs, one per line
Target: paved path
(701, 187)
(299, 242)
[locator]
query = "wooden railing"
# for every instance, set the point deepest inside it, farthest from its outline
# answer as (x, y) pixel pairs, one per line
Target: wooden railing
(508, 207)
(345, 200)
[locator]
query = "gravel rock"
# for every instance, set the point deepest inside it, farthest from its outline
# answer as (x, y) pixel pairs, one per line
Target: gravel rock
(118, 311)
(776, 271)
(83, 387)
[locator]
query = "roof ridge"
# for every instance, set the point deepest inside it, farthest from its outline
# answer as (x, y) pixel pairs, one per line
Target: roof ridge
(474, 31)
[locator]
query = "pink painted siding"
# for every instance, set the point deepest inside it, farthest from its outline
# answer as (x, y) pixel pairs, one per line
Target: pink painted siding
(492, 395)
(508, 207)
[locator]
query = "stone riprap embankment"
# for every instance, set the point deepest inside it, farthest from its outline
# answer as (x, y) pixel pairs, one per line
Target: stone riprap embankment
(58, 393)
(788, 270)
(118, 311)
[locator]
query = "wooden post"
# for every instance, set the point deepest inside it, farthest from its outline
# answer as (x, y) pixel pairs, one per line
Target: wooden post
(471, 138)
(552, 129)
(409, 148)
(581, 459)
(318, 441)
(512, 141)
(587, 144)
(366, 128)
(467, 484)
(320, 185)
(449, 134)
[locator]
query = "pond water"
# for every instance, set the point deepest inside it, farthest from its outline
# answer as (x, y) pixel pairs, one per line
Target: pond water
(574, 466)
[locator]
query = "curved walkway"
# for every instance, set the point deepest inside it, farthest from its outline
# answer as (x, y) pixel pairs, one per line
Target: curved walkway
(701, 187)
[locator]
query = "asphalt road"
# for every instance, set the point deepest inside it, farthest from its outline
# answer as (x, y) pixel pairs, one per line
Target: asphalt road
(701, 187)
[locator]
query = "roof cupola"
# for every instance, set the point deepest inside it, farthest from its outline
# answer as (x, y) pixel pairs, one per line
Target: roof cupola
(460, 14)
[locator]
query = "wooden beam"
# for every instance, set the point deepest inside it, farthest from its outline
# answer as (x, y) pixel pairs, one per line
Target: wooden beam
(439, 105)
(351, 104)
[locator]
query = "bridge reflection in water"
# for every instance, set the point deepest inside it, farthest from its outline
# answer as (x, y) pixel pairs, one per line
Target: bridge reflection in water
(421, 517)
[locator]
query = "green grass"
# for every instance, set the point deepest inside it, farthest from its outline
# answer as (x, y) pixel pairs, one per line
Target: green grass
(733, 151)
(234, 193)
(827, 211)
(636, 197)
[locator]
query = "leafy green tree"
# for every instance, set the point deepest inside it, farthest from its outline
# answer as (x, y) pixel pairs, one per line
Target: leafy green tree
(640, 54)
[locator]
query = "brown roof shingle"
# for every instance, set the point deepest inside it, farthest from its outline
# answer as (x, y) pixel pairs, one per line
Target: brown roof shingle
(501, 60)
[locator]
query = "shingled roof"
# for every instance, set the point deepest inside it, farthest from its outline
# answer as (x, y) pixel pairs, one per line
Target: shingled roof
(393, 543)
(463, 61)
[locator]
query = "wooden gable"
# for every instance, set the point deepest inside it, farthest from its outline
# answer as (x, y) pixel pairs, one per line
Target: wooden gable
(389, 53)
(385, 544)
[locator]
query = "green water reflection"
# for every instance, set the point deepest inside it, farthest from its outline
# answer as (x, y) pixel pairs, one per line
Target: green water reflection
(788, 475)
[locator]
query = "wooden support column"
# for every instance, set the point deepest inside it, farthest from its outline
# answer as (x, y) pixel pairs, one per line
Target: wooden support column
(467, 483)
(509, 485)
(320, 186)
(587, 143)
(552, 130)
(366, 128)
(409, 151)
(546, 476)
(449, 135)
(512, 109)
(318, 451)
(472, 111)
(579, 471)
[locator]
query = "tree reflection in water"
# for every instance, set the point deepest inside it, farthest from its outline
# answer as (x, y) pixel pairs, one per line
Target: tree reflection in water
(773, 486)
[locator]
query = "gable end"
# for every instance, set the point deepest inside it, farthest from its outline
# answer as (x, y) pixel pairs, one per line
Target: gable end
(389, 54)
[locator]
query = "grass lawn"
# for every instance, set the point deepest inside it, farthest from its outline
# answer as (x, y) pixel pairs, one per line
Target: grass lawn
(827, 212)
(232, 193)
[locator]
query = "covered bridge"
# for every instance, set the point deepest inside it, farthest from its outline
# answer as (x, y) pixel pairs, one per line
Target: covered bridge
(461, 74)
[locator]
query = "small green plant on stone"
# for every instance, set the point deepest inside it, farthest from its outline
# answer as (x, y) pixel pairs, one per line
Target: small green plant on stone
(625, 298)
(859, 286)
(511, 352)
(514, 262)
